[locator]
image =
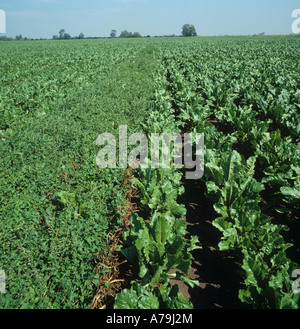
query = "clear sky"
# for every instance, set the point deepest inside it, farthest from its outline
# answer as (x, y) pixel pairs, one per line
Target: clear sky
(44, 18)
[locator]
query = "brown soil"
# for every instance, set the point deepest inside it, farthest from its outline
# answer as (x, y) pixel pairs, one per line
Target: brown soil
(216, 271)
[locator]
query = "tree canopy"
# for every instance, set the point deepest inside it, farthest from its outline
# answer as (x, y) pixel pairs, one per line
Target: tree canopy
(189, 30)
(126, 34)
(113, 33)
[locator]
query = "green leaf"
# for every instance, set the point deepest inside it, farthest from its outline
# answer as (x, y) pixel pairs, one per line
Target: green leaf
(136, 298)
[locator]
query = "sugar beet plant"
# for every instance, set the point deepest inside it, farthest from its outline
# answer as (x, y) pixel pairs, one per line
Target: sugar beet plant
(241, 105)
(158, 247)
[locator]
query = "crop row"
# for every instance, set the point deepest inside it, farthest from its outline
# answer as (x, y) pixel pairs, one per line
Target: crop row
(230, 176)
(156, 245)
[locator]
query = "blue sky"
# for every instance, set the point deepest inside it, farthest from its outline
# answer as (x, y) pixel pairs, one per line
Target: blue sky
(44, 18)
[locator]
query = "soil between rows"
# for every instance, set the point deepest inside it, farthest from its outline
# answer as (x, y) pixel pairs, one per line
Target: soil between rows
(216, 271)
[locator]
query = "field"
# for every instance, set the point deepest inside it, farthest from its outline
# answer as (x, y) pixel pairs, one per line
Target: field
(58, 208)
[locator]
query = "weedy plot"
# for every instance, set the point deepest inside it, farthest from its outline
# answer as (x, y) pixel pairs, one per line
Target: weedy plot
(57, 207)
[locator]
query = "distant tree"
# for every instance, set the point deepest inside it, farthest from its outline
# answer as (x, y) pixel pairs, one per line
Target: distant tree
(81, 36)
(189, 30)
(136, 35)
(55, 37)
(5, 38)
(61, 34)
(126, 34)
(113, 34)
(67, 36)
(19, 37)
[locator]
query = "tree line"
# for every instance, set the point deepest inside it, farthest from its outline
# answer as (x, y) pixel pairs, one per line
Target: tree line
(188, 30)
(66, 36)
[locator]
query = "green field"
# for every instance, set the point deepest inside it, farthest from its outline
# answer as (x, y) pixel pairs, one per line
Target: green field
(57, 207)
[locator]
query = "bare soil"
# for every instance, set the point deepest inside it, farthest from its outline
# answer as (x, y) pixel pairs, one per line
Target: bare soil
(217, 272)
